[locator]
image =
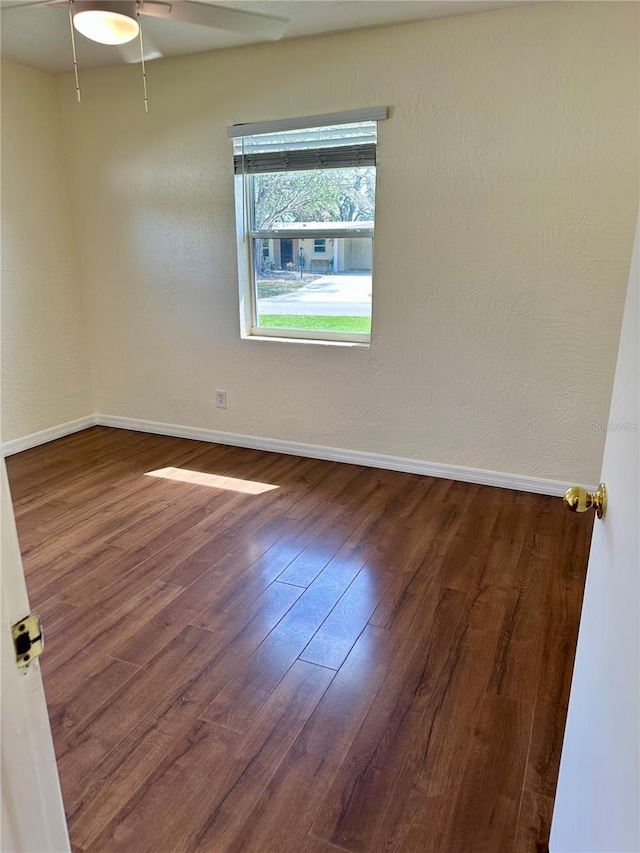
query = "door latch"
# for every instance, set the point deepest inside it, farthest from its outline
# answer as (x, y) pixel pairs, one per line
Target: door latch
(28, 639)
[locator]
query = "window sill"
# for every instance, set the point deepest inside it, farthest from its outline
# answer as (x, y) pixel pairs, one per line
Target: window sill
(313, 341)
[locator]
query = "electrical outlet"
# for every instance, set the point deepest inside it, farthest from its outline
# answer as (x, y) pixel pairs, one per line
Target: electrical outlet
(221, 399)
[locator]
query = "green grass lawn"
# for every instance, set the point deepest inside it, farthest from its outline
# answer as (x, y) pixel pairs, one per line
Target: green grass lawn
(318, 323)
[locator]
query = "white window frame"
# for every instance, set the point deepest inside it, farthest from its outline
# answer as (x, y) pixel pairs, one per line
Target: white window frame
(247, 233)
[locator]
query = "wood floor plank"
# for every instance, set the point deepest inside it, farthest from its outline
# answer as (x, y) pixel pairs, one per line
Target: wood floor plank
(52, 579)
(187, 669)
(206, 814)
(124, 465)
(38, 563)
(562, 609)
(249, 652)
(429, 784)
(417, 553)
(238, 588)
(333, 641)
(64, 458)
(236, 547)
(534, 823)
(189, 608)
(53, 611)
(519, 654)
(303, 778)
(496, 564)
(263, 749)
(155, 556)
(118, 788)
(311, 561)
(315, 845)
(95, 680)
(139, 707)
(491, 780)
(136, 483)
(547, 734)
(462, 552)
(296, 536)
(102, 627)
(412, 494)
(417, 685)
(334, 483)
(69, 512)
(256, 679)
(405, 593)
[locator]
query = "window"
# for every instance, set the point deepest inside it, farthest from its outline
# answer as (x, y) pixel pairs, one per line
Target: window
(305, 202)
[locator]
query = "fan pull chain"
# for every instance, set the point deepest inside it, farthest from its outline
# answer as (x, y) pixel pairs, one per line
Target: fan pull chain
(73, 48)
(144, 70)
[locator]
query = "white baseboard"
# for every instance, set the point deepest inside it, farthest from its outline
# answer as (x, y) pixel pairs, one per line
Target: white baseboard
(334, 454)
(520, 483)
(45, 435)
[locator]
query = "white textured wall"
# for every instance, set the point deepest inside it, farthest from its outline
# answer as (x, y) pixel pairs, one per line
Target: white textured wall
(507, 189)
(45, 372)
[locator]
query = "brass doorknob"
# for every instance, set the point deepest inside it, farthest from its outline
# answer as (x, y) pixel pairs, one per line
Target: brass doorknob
(578, 499)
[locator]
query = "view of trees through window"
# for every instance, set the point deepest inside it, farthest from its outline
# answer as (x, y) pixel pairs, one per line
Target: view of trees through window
(322, 195)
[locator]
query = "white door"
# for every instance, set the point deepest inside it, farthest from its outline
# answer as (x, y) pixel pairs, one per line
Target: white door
(598, 799)
(33, 818)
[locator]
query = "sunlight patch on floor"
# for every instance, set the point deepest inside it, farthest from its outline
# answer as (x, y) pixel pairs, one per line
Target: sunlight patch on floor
(213, 481)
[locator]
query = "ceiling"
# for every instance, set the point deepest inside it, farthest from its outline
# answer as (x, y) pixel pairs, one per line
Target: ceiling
(38, 36)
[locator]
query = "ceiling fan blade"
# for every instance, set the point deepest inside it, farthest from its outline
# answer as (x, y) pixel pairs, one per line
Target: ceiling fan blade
(219, 17)
(9, 7)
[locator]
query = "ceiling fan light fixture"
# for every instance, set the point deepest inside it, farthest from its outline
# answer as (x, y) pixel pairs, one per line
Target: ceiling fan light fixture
(106, 22)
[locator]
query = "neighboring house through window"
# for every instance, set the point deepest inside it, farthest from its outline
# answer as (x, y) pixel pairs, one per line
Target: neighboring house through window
(305, 202)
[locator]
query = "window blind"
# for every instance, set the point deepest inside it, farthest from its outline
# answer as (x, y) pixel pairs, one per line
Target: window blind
(346, 140)
(342, 157)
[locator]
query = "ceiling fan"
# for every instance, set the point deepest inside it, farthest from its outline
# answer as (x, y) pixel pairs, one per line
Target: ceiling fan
(115, 22)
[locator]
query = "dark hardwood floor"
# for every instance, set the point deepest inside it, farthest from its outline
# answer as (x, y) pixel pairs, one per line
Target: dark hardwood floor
(352, 659)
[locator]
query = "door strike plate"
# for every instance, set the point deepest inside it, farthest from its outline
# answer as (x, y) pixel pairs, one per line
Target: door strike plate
(28, 639)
